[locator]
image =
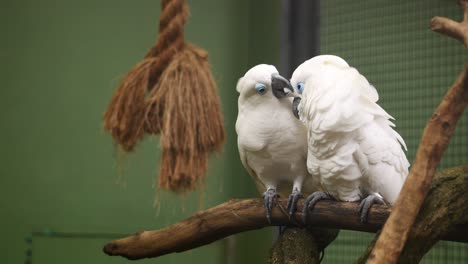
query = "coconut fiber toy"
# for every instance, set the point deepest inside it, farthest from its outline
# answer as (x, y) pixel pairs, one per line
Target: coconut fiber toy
(172, 93)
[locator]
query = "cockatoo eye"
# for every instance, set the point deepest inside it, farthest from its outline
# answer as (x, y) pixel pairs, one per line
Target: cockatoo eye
(260, 88)
(300, 87)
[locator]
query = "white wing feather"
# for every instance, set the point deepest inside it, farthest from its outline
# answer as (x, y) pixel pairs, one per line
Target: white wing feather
(260, 186)
(348, 130)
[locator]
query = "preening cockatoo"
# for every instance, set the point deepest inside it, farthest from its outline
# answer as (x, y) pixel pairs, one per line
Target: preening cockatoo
(352, 147)
(272, 142)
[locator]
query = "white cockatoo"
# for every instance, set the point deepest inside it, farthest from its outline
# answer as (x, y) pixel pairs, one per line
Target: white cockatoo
(272, 142)
(352, 148)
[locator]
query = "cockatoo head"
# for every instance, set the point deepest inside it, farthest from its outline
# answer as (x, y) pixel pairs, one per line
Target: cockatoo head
(309, 70)
(261, 83)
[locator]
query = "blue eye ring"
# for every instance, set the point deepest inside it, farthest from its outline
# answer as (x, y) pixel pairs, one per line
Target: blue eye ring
(300, 87)
(260, 88)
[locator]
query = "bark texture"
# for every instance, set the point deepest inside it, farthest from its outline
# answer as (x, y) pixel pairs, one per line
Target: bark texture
(298, 245)
(444, 210)
(294, 246)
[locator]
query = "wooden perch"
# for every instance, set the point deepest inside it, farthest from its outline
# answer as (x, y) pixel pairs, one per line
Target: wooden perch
(434, 141)
(237, 216)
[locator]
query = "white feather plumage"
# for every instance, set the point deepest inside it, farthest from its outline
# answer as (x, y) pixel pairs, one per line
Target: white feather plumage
(352, 147)
(272, 142)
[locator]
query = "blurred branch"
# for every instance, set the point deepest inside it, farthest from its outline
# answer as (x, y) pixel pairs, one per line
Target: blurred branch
(445, 208)
(448, 27)
(237, 216)
(434, 141)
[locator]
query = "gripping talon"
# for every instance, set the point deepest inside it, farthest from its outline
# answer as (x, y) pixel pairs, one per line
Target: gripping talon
(269, 199)
(311, 200)
(366, 204)
(292, 201)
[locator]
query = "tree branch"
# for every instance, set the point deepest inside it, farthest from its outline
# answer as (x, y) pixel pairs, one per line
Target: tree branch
(434, 141)
(237, 216)
(298, 245)
(444, 209)
(448, 27)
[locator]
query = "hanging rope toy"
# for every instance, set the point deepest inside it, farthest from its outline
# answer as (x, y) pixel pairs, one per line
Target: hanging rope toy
(172, 93)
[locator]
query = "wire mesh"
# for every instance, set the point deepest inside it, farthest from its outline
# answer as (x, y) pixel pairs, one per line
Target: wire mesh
(412, 67)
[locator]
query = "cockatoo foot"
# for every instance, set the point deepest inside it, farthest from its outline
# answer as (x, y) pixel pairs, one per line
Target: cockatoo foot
(311, 200)
(269, 199)
(292, 201)
(366, 204)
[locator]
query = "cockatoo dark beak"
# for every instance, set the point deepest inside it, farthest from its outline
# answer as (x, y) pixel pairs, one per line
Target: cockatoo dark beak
(295, 106)
(281, 87)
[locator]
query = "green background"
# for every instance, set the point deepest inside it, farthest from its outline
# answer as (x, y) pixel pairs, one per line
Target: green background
(62, 60)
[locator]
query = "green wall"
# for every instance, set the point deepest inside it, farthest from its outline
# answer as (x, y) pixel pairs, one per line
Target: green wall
(61, 61)
(411, 67)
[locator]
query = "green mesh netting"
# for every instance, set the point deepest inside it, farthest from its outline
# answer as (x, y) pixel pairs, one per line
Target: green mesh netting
(391, 44)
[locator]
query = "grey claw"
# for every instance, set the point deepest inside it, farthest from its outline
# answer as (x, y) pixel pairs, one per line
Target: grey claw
(366, 204)
(292, 202)
(311, 200)
(269, 198)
